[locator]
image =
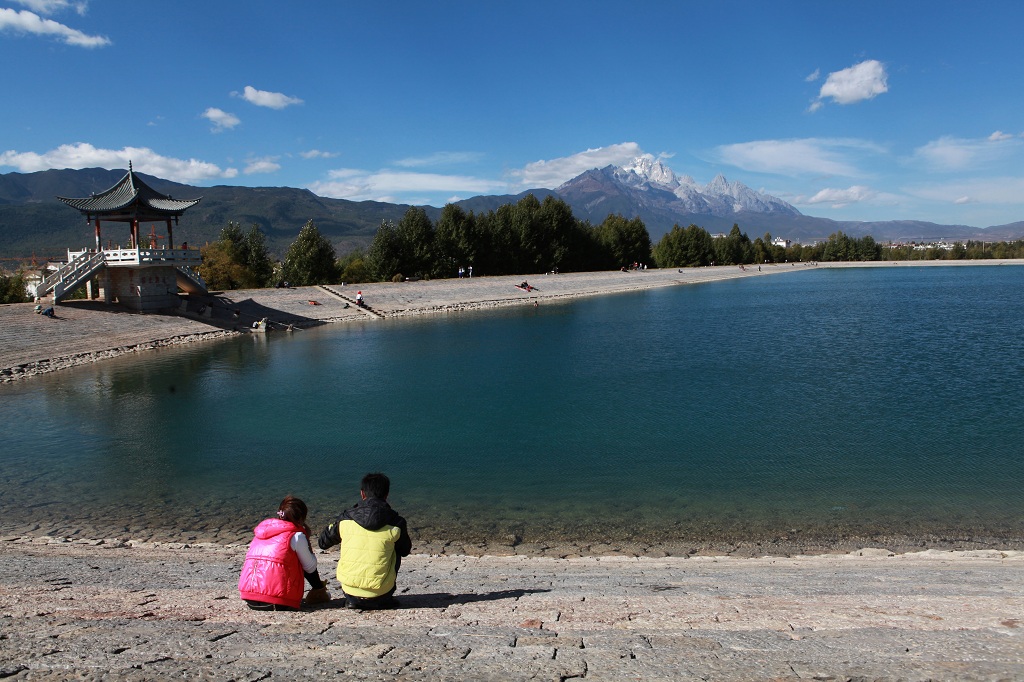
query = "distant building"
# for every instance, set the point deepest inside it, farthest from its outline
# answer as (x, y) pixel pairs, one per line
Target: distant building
(779, 241)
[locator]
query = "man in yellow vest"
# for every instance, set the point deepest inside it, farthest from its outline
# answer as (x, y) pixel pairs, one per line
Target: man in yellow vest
(373, 539)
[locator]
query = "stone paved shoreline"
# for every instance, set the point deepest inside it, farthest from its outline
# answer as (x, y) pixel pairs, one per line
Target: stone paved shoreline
(90, 331)
(105, 609)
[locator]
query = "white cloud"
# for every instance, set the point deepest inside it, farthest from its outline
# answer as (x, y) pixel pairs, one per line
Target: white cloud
(264, 165)
(220, 119)
(273, 100)
(958, 154)
(839, 198)
(556, 171)
(317, 154)
(440, 159)
(994, 190)
(84, 155)
(999, 136)
(813, 76)
(385, 185)
(818, 156)
(53, 6)
(861, 81)
(28, 22)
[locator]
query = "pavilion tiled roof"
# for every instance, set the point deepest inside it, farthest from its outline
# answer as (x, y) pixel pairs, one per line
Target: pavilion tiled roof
(130, 198)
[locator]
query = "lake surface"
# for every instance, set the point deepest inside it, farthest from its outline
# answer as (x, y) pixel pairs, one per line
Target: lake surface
(814, 406)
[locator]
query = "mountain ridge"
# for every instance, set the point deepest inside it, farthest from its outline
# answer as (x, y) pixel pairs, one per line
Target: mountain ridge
(33, 221)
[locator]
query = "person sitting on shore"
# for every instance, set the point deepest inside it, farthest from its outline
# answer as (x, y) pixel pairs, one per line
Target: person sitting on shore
(373, 539)
(279, 557)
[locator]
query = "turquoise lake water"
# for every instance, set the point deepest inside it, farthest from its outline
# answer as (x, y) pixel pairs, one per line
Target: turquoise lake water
(833, 403)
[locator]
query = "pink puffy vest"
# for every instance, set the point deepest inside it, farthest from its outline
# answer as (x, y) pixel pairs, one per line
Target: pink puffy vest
(272, 572)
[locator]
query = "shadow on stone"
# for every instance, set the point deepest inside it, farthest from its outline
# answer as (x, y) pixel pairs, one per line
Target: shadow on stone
(435, 600)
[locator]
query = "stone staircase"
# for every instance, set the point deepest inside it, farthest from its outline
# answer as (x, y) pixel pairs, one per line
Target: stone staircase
(189, 280)
(364, 308)
(71, 276)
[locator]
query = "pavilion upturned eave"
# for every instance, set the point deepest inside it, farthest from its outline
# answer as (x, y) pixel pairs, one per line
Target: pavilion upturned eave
(130, 199)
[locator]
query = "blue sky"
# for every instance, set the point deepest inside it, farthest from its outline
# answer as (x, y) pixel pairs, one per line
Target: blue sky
(848, 110)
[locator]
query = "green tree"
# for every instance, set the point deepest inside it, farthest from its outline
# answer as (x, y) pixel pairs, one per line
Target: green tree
(310, 259)
(839, 247)
(354, 268)
(455, 239)
(415, 235)
(238, 260)
(12, 288)
(624, 241)
(734, 249)
(866, 248)
(383, 259)
(219, 267)
(527, 235)
(684, 247)
(254, 256)
(559, 235)
(499, 253)
(232, 233)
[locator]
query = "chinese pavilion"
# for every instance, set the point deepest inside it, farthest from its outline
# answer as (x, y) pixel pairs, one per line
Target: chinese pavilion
(140, 277)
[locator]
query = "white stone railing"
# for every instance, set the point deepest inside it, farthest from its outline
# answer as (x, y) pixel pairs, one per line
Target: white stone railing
(77, 270)
(188, 257)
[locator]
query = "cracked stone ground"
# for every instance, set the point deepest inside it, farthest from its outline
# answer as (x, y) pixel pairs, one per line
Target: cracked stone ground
(90, 610)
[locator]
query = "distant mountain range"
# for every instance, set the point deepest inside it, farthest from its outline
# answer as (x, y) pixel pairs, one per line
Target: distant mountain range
(32, 221)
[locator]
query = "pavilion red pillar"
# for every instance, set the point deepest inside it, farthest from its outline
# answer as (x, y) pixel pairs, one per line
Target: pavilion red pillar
(99, 243)
(135, 233)
(170, 235)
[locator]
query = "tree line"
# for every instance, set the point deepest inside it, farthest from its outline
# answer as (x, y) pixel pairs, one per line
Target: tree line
(530, 237)
(526, 237)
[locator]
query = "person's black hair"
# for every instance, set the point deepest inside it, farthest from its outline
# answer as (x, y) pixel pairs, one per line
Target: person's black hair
(293, 509)
(376, 485)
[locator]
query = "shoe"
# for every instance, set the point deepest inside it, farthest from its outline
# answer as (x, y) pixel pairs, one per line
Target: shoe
(318, 595)
(380, 604)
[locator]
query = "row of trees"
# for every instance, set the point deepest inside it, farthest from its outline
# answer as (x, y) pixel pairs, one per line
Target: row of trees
(241, 260)
(694, 247)
(529, 236)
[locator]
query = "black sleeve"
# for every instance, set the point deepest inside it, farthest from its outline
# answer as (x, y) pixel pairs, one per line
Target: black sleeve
(314, 579)
(329, 537)
(404, 544)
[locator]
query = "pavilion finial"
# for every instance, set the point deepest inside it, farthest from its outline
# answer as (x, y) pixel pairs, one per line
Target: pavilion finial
(129, 165)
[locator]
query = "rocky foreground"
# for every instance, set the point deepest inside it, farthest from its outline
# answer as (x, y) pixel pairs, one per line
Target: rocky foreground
(108, 610)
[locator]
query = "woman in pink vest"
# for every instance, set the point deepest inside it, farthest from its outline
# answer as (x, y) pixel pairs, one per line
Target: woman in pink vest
(279, 557)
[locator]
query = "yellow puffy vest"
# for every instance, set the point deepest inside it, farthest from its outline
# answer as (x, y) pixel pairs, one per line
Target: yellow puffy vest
(366, 567)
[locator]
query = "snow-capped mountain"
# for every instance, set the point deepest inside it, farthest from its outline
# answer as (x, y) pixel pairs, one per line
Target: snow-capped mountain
(719, 197)
(649, 189)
